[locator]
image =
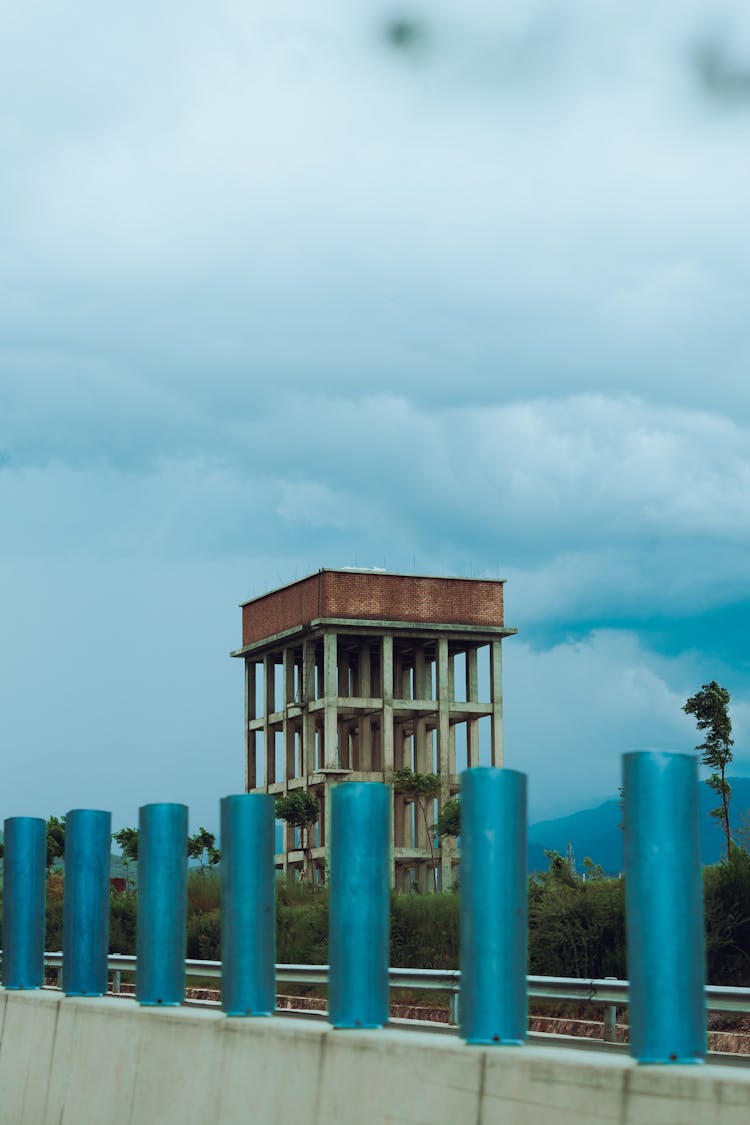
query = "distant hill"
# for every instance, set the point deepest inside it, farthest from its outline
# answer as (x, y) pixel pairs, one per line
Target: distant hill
(595, 832)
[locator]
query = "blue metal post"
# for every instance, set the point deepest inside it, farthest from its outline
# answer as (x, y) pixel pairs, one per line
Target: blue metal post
(494, 907)
(162, 904)
(24, 842)
(88, 844)
(248, 905)
(664, 908)
(360, 858)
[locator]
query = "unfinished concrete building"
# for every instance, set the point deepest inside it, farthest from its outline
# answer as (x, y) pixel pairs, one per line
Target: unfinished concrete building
(351, 675)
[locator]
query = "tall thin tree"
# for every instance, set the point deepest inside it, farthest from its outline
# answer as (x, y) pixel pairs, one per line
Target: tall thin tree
(710, 706)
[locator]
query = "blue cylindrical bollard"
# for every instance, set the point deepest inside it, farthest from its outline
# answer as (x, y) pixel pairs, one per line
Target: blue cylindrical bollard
(358, 943)
(248, 913)
(494, 907)
(88, 841)
(24, 841)
(162, 904)
(664, 908)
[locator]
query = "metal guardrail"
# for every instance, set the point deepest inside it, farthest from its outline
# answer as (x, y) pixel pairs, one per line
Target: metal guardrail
(609, 992)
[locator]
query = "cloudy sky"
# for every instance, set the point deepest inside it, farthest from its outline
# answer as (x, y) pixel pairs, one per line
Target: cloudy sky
(460, 288)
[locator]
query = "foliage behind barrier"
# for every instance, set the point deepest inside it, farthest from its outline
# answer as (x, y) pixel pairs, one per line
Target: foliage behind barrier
(576, 927)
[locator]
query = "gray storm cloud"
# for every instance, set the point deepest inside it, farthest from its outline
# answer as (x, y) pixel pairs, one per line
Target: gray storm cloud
(456, 287)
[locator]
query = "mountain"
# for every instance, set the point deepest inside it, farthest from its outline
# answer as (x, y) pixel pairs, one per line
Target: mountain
(595, 832)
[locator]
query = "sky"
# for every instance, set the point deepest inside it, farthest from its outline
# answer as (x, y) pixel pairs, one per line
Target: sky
(446, 288)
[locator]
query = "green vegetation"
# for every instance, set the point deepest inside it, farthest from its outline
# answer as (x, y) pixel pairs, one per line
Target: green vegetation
(449, 821)
(422, 789)
(202, 847)
(710, 706)
(55, 840)
(576, 923)
(726, 888)
(301, 810)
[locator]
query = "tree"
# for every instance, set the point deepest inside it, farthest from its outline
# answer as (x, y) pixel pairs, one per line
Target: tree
(449, 821)
(420, 788)
(55, 840)
(203, 843)
(301, 810)
(710, 706)
(127, 841)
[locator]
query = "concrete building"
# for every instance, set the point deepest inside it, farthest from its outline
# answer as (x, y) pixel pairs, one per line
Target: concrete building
(351, 675)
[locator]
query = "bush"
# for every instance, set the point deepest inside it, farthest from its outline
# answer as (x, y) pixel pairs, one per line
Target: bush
(726, 888)
(424, 931)
(53, 928)
(123, 912)
(204, 936)
(203, 892)
(576, 928)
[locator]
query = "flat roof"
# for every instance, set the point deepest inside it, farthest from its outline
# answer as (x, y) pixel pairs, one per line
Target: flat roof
(368, 570)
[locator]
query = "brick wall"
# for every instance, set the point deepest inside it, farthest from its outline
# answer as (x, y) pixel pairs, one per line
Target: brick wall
(374, 597)
(282, 609)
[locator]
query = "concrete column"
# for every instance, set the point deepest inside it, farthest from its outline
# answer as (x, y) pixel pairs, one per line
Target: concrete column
(444, 745)
(344, 750)
(330, 694)
(472, 694)
(387, 723)
(399, 821)
(496, 690)
(391, 832)
(288, 728)
(308, 720)
(325, 820)
(365, 722)
(398, 677)
(343, 674)
(411, 821)
(250, 714)
(421, 689)
(422, 763)
(269, 747)
(386, 728)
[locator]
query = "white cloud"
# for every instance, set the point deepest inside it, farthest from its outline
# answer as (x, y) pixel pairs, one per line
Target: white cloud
(540, 199)
(573, 710)
(589, 505)
(276, 294)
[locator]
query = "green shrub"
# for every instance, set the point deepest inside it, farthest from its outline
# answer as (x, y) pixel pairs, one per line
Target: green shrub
(204, 936)
(726, 888)
(123, 912)
(424, 931)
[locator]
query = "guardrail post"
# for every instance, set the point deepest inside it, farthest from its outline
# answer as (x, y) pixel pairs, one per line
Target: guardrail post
(86, 902)
(494, 906)
(162, 904)
(664, 908)
(453, 1008)
(610, 1020)
(116, 982)
(24, 841)
(248, 913)
(359, 905)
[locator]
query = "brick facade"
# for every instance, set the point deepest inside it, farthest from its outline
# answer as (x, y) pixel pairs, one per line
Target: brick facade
(373, 596)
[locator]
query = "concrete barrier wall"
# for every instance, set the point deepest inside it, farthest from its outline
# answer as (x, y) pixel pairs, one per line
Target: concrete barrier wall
(65, 1061)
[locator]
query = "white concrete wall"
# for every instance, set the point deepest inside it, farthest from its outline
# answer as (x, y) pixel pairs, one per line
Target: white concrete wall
(109, 1062)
